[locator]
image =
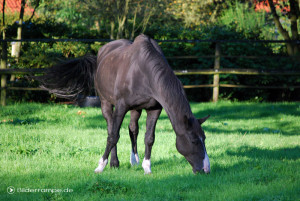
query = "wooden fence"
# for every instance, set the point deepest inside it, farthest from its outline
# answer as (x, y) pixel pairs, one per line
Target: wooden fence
(215, 71)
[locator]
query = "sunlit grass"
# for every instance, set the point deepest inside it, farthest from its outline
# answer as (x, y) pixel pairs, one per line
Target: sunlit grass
(253, 149)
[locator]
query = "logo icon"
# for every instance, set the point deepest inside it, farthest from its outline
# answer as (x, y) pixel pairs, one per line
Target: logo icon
(10, 190)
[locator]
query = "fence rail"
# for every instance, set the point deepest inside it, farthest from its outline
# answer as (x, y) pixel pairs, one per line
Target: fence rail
(235, 71)
(48, 40)
(216, 71)
(178, 73)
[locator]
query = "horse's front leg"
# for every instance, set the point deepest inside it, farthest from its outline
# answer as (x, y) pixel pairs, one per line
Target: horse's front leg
(133, 133)
(152, 116)
(113, 137)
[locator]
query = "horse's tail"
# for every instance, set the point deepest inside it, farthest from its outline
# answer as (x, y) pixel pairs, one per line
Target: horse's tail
(70, 78)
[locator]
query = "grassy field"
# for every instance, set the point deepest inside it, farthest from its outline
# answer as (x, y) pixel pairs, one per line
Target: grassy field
(254, 152)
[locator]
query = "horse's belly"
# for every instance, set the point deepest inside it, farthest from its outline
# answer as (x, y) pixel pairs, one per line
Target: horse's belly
(143, 103)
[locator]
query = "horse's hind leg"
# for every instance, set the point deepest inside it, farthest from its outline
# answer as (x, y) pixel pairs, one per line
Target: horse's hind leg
(107, 112)
(152, 116)
(114, 120)
(133, 133)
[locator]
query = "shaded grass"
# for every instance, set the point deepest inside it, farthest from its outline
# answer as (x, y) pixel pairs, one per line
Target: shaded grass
(253, 149)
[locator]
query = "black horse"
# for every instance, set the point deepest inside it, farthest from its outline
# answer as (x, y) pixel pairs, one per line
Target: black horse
(133, 76)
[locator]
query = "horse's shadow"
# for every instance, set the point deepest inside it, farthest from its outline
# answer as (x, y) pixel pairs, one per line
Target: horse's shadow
(257, 153)
(248, 112)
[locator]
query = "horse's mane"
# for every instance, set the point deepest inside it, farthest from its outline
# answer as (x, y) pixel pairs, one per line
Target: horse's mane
(169, 86)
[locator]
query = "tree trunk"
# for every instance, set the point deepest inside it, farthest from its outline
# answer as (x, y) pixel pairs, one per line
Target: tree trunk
(112, 28)
(292, 48)
(294, 16)
(36, 6)
(122, 18)
(133, 25)
(98, 25)
(3, 63)
(146, 19)
(19, 31)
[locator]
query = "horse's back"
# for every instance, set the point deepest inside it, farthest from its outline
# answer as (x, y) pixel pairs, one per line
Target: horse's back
(123, 72)
(124, 50)
(109, 47)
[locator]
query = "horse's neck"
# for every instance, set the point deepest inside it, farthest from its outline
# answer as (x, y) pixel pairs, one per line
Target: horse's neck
(167, 90)
(176, 105)
(177, 119)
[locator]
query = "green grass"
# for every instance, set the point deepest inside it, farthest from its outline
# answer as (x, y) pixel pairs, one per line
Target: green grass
(254, 151)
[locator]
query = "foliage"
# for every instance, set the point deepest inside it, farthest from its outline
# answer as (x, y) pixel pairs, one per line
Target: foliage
(55, 147)
(68, 13)
(40, 55)
(264, 61)
(113, 19)
(195, 13)
(246, 20)
(163, 20)
(243, 18)
(293, 49)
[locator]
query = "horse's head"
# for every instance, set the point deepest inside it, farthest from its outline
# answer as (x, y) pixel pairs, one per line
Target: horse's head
(191, 145)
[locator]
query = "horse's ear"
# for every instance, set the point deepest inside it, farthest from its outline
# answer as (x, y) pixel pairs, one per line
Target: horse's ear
(202, 120)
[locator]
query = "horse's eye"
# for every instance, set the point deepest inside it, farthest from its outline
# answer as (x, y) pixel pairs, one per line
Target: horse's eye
(196, 140)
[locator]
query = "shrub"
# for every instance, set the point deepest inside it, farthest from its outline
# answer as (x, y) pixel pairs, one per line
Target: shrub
(267, 59)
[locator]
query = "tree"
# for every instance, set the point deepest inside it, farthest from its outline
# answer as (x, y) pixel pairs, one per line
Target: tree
(194, 13)
(20, 27)
(19, 30)
(3, 57)
(36, 4)
(294, 17)
(121, 18)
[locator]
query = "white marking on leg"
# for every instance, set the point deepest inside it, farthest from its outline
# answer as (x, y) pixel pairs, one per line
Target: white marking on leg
(101, 165)
(206, 164)
(147, 166)
(134, 159)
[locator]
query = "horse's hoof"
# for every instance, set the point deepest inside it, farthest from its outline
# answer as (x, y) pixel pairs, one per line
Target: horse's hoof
(114, 164)
(134, 159)
(101, 166)
(147, 166)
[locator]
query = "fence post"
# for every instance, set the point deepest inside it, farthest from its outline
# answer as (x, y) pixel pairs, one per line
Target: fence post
(3, 65)
(216, 76)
